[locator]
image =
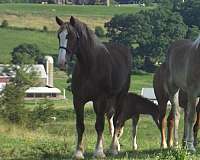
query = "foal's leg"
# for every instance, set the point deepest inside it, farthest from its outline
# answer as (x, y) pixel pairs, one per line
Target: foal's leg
(118, 123)
(190, 120)
(135, 119)
(111, 125)
(170, 126)
(79, 109)
(99, 108)
(196, 128)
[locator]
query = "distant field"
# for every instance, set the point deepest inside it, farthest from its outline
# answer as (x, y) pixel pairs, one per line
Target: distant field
(37, 15)
(10, 38)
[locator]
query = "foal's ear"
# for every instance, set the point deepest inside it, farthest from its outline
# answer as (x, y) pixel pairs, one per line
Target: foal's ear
(72, 21)
(59, 21)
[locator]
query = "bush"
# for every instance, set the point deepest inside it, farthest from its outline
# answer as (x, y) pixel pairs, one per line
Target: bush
(99, 31)
(40, 114)
(4, 24)
(45, 29)
(26, 54)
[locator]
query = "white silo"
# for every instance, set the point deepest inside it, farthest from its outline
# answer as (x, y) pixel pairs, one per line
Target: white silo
(49, 70)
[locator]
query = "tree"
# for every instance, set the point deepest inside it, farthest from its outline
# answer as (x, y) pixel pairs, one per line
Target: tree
(26, 54)
(148, 32)
(174, 5)
(12, 97)
(190, 10)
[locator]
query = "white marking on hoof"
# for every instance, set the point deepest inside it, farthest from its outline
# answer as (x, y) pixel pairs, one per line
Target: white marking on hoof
(163, 146)
(78, 155)
(135, 147)
(99, 154)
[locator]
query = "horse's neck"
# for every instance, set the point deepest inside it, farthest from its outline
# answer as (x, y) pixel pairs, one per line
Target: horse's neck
(86, 54)
(85, 57)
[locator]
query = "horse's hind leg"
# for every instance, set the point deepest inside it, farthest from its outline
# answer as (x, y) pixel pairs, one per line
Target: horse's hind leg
(99, 108)
(135, 119)
(176, 111)
(79, 109)
(170, 126)
(162, 119)
(196, 128)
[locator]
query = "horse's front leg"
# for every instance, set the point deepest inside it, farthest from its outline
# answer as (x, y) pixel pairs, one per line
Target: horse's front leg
(99, 108)
(79, 109)
(135, 119)
(196, 128)
(190, 120)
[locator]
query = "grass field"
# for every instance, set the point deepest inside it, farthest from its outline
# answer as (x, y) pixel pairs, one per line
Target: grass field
(55, 140)
(10, 38)
(37, 15)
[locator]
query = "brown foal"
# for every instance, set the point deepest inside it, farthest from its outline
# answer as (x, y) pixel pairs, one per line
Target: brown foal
(131, 106)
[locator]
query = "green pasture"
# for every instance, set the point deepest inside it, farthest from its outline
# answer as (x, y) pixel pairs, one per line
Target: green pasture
(38, 15)
(68, 10)
(10, 38)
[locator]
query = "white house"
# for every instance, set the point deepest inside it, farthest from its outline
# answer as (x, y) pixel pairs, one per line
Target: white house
(45, 88)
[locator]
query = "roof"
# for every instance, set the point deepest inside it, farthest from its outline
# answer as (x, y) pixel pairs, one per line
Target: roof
(38, 68)
(43, 90)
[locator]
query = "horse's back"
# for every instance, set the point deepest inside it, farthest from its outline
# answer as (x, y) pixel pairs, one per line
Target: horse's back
(178, 56)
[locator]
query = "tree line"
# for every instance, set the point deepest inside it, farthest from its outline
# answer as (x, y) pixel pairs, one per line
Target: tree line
(149, 32)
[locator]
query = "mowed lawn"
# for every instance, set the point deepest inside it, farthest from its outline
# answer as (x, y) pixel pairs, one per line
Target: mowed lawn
(38, 15)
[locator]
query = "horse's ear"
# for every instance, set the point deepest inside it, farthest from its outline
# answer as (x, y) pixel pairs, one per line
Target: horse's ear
(59, 21)
(72, 21)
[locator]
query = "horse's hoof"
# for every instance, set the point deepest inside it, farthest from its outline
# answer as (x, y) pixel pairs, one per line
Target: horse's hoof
(135, 147)
(195, 143)
(99, 154)
(190, 147)
(163, 146)
(114, 152)
(78, 155)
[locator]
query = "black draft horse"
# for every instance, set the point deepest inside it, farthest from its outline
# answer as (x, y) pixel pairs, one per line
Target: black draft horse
(101, 74)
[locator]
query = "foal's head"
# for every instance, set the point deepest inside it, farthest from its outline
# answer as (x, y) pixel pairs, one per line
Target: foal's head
(68, 36)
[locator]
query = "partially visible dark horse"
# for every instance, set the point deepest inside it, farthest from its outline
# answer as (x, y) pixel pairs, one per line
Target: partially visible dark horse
(101, 74)
(131, 106)
(183, 63)
(162, 96)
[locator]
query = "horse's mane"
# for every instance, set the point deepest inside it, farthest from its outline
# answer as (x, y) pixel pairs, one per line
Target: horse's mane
(86, 34)
(196, 43)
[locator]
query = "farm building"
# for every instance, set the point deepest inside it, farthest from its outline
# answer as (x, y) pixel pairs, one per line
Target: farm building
(45, 88)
